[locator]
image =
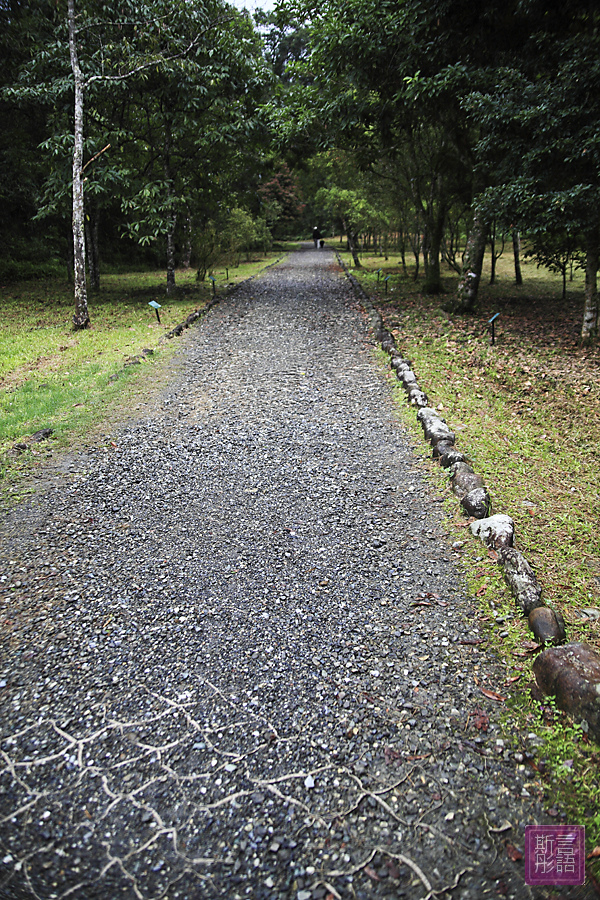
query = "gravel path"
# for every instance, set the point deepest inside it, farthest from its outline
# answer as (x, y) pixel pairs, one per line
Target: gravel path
(238, 661)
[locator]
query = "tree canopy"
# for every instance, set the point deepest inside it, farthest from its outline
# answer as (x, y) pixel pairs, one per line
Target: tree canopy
(150, 121)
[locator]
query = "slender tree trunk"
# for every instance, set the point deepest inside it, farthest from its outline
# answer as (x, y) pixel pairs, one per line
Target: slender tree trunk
(81, 318)
(468, 286)
(352, 246)
(171, 257)
(493, 251)
(589, 330)
(170, 191)
(516, 241)
(187, 251)
(93, 250)
(435, 229)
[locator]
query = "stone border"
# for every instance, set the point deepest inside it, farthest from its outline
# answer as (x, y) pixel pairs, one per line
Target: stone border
(570, 673)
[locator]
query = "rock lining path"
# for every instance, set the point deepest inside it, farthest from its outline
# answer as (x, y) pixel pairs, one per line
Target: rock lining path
(238, 660)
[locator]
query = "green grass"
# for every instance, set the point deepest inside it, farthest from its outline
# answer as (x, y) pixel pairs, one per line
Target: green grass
(527, 413)
(53, 377)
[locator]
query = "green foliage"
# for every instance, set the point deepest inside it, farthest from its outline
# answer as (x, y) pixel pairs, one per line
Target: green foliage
(172, 129)
(207, 249)
(27, 270)
(281, 205)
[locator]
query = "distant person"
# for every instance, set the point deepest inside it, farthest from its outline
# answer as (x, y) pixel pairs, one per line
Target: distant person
(316, 236)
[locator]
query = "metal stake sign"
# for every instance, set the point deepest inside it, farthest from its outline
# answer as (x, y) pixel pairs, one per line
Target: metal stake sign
(155, 306)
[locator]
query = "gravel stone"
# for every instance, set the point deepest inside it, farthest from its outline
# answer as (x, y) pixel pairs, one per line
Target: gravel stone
(237, 658)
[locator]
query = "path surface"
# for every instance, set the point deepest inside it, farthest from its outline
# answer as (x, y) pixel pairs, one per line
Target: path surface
(233, 662)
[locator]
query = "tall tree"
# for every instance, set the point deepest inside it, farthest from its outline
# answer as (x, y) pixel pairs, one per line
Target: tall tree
(96, 50)
(539, 123)
(193, 127)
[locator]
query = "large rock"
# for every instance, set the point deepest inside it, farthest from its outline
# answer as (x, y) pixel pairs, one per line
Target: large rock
(441, 447)
(434, 426)
(399, 364)
(464, 479)
(572, 675)
(477, 503)
(408, 378)
(417, 397)
(495, 531)
(547, 625)
(42, 435)
(449, 457)
(447, 454)
(521, 579)
(388, 342)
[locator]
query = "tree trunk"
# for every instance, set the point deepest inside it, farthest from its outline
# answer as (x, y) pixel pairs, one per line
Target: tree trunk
(81, 318)
(516, 240)
(493, 252)
(435, 230)
(171, 258)
(93, 251)
(352, 246)
(468, 286)
(589, 330)
(187, 249)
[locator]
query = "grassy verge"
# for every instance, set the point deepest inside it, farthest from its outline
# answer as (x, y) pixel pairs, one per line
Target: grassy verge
(527, 413)
(53, 377)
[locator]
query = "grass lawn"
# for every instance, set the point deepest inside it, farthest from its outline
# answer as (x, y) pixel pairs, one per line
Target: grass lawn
(527, 413)
(53, 377)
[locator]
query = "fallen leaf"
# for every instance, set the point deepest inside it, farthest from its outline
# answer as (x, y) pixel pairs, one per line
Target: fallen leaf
(481, 720)
(512, 680)
(478, 641)
(372, 873)
(391, 755)
(482, 590)
(595, 852)
(513, 853)
(492, 695)
(393, 870)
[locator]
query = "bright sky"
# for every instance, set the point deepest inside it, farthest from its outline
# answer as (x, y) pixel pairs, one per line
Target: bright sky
(253, 4)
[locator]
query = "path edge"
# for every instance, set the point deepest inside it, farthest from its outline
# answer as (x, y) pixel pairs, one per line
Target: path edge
(567, 671)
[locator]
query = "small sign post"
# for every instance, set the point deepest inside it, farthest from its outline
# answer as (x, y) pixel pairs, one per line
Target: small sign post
(155, 306)
(214, 281)
(491, 322)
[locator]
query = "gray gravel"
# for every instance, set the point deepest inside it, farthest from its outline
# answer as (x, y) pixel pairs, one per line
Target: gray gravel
(232, 661)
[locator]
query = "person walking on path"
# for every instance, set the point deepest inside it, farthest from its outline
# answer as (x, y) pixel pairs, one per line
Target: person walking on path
(316, 236)
(238, 660)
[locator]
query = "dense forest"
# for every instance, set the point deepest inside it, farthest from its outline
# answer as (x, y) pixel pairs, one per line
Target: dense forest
(171, 133)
